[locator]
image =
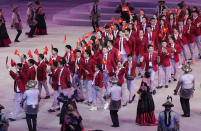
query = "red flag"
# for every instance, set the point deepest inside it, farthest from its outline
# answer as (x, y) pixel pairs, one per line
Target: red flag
(104, 26)
(119, 56)
(141, 12)
(64, 38)
(112, 21)
(131, 14)
(97, 29)
(90, 44)
(164, 29)
(125, 8)
(104, 61)
(170, 11)
(175, 10)
(17, 52)
(78, 42)
(84, 48)
(96, 41)
(83, 37)
(51, 61)
(36, 52)
(6, 60)
(88, 35)
(52, 47)
(45, 50)
(120, 20)
(160, 35)
(30, 54)
(12, 63)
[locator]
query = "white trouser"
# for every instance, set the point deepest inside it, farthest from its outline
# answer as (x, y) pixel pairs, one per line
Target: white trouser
(198, 43)
(106, 79)
(192, 50)
(88, 86)
(124, 57)
(123, 90)
(97, 94)
(130, 86)
(16, 108)
(152, 78)
(184, 50)
(44, 84)
(55, 101)
(174, 68)
(167, 74)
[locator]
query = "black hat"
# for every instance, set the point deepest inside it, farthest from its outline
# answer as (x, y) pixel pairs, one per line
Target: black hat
(169, 102)
(1, 107)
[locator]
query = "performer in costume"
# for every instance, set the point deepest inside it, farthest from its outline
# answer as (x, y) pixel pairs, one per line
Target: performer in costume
(16, 23)
(168, 120)
(4, 38)
(95, 15)
(145, 109)
(31, 19)
(186, 84)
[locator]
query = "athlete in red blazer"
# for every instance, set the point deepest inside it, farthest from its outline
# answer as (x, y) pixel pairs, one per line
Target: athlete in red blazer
(31, 71)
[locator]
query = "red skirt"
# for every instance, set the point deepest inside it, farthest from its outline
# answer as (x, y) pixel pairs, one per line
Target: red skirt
(146, 119)
(5, 43)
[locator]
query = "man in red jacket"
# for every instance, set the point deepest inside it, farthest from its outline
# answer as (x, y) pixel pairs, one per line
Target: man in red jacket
(197, 24)
(42, 75)
(68, 57)
(19, 88)
(88, 74)
(25, 66)
(54, 73)
(31, 71)
(151, 62)
(165, 54)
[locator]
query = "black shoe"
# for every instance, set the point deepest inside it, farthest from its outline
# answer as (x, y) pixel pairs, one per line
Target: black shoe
(159, 87)
(199, 56)
(51, 110)
(58, 109)
(124, 104)
(175, 79)
(185, 115)
(11, 119)
(89, 103)
(47, 97)
(169, 81)
(58, 115)
(114, 125)
(17, 41)
(31, 36)
(131, 101)
(166, 86)
(190, 59)
(154, 92)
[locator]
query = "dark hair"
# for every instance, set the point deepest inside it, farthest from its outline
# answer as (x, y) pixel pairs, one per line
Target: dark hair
(79, 51)
(99, 67)
(147, 75)
(110, 41)
(24, 56)
(164, 41)
(31, 61)
(68, 84)
(129, 55)
(55, 49)
(19, 64)
(127, 29)
(189, 19)
(41, 56)
(117, 26)
(62, 61)
(55, 63)
(180, 20)
(152, 19)
(37, 2)
(107, 27)
(149, 26)
(68, 47)
(150, 46)
(88, 52)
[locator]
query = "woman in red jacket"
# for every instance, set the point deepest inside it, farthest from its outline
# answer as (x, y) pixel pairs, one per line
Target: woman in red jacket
(97, 85)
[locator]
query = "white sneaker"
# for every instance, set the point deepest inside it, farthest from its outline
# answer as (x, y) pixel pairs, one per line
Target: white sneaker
(93, 108)
(106, 105)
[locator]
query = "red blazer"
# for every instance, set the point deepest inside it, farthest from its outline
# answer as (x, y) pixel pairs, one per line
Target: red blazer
(110, 64)
(69, 62)
(197, 29)
(55, 79)
(136, 30)
(125, 45)
(141, 46)
(175, 55)
(154, 39)
(20, 81)
(154, 61)
(132, 44)
(190, 33)
(99, 79)
(184, 33)
(80, 69)
(90, 67)
(164, 57)
(121, 75)
(64, 78)
(155, 28)
(170, 27)
(113, 53)
(25, 68)
(41, 71)
(134, 65)
(31, 73)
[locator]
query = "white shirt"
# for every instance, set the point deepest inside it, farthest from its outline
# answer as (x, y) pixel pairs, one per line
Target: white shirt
(150, 38)
(150, 59)
(121, 46)
(59, 83)
(187, 81)
(31, 96)
(14, 17)
(115, 92)
(129, 67)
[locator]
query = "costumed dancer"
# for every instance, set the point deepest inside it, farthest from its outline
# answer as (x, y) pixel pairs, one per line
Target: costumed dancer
(4, 123)
(95, 15)
(31, 19)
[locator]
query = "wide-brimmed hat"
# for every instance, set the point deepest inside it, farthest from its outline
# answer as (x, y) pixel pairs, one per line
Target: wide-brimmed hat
(169, 102)
(1, 107)
(15, 7)
(161, 1)
(29, 3)
(187, 67)
(31, 84)
(114, 80)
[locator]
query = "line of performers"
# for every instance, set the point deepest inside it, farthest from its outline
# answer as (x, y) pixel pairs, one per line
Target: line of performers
(35, 18)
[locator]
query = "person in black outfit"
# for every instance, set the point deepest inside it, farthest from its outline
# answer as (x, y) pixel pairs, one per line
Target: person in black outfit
(30, 19)
(95, 15)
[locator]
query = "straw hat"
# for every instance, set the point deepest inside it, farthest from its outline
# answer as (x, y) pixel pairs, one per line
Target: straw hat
(169, 102)
(31, 84)
(187, 67)
(114, 80)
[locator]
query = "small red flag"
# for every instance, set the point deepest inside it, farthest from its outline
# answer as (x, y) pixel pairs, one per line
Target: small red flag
(119, 56)
(88, 35)
(51, 61)
(30, 54)
(12, 63)
(141, 12)
(6, 60)
(83, 37)
(125, 8)
(112, 20)
(96, 41)
(45, 50)
(84, 48)
(120, 20)
(104, 26)
(52, 47)
(36, 52)
(170, 11)
(17, 52)
(175, 10)
(78, 42)
(64, 38)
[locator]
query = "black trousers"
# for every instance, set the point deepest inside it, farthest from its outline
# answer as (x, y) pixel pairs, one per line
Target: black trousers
(19, 32)
(31, 121)
(32, 29)
(185, 105)
(95, 24)
(114, 117)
